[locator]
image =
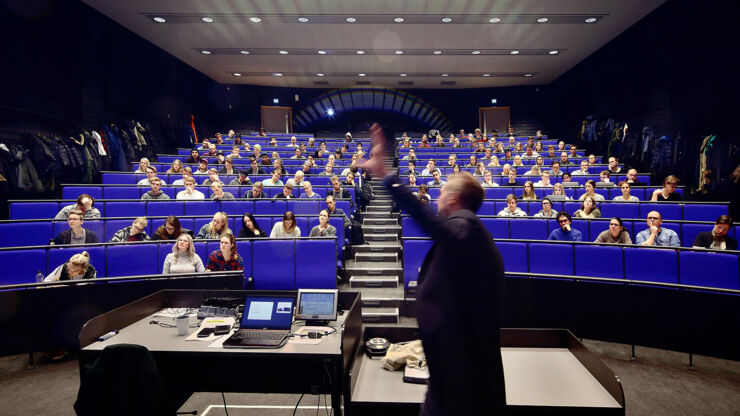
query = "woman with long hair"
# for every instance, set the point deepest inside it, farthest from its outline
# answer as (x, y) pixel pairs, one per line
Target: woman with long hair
(528, 191)
(183, 258)
(286, 228)
(616, 234)
(176, 167)
(588, 209)
(226, 258)
(250, 228)
(170, 230)
(590, 188)
(216, 228)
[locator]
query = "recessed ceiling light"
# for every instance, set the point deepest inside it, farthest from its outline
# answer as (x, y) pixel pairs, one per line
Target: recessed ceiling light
(205, 52)
(437, 52)
(244, 52)
(542, 20)
(362, 75)
(255, 19)
(590, 20)
(445, 75)
(277, 74)
(514, 52)
(159, 19)
(321, 52)
(360, 52)
(554, 52)
(207, 19)
(399, 52)
(486, 75)
(494, 20)
(283, 52)
(476, 52)
(446, 19)
(320, 74)
(350, 20)
(237, 74)
(303, 19)
(527, 75)
(404, 75)
(399, 20)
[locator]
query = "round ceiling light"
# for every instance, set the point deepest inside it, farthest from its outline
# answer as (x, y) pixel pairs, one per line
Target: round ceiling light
(527, 75)
(437, 52)
(361, 75)
(486, 75)
(542, 20)
(514, 52)
(494, 20)
(159, 19)
(399, 20)
(303, 19)
(320, 74)
(237, 74)
(244, 52)
(476, 52)
(283, 52)
(350, 19)
(207, 19)
(554, 52)
(399, 52)
(277, 74)
(205, 52)
(360, 52)
(255, 19)
(321, 52)
(446, 19)
(404, 75)
(590, 20)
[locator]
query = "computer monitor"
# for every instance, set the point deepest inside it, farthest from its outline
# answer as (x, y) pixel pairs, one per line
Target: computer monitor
(317, 306)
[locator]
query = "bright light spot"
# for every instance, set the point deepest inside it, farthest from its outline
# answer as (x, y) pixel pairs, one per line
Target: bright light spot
(515, 52)
(255, 19)
(159, 19)
(399, 19)
(244, 52)
(590, 20)
(542, 20)
(207, 19)
(446, 19)
(303, 19)
(350, 20)
(494, 20)
(205, 52)
(330, 112)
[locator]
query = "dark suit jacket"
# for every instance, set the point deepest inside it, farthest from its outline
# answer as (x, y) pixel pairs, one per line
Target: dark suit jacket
(65, 237)
(704, 239)
(458, 309)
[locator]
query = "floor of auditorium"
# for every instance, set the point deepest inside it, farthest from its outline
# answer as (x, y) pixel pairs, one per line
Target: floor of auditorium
(656, 383)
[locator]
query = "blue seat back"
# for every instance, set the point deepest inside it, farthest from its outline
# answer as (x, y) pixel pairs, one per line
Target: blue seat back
(57, 256)
(122, 192)
(530, 229)
(274, 268)
(702, 212)
(111, 226)
(316, 264)
(19, 234)
(651, 264)
(125, 209)
(667, 210)
(73, 192)
(201, 207)
(690, 231)
(23, 210)
(244, 248)
(132, 260)
(270, 207)
(515, 256)
(237, 208)
(498, 227)
(599, 261)
(165, 208)
(414, 252)
(411, 228)
(551, 258)
(304, 206)
(709, 269)
(20, 266)
(620, 209)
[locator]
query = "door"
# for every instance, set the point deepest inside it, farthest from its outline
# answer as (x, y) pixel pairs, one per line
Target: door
(277, 119)
(490, 118)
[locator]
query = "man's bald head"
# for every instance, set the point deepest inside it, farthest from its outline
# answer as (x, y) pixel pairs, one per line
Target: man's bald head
(469, 191)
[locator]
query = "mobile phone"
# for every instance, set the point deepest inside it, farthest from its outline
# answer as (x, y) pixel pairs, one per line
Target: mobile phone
(205, 332)
(221, 329)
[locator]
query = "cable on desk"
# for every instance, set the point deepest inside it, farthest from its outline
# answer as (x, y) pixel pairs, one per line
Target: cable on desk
(299, 402)
(223, 396)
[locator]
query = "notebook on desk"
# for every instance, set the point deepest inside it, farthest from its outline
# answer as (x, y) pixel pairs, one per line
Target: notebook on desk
(265, 323)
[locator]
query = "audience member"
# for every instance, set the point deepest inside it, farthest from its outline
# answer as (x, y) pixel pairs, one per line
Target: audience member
(588, 209)
(256, 192)
(250, 227)
(218, 194)
(517, 161)
(431, 167)
(626, 197)
(296, 180)
(512, 178)
(616, 234)
(216, 228)
(151, 172)
(655, 235)
(604, 176)
(331, 205)
(170, 230)
(412, 180)
(324, 229)
(134, 232)
(493, 162)
(183, 258)
(155, 192)
(591, 159)
(546, 211)
(187, 171)
(84, 204)
(557, 191)
(410, 156)
(226, 258)
(456, 169)
(511, 209)
(528, 194)
(242, 179)
(176, 167)
(565, 161)
(437, 181)
(194, 157)
(614, 165)
(76, 234)
(190, 193)
(565, 232)
(336, 189)
(202, 167)
(717, 239)
(287, 192)
(287, 228)
(534, 171)
(228, 168)
(235, 152)
(668, 192)
(254, 168)
(488, 180)
(212, 177)
(76, 268)
(632, 178)
(480, 169)
(590, 191)
(274, 179)
(143, 164)
(544, 181)
(583, 170)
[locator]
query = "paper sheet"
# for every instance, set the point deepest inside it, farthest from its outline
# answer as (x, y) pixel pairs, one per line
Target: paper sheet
(211, 323)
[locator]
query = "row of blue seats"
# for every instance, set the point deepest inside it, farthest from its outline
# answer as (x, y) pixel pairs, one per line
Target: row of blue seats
(126, 178)
(37, 233)
(273, 264)
(688, 267)
(463, 153)
(136, 192)
(521, 178)
(244, 161)
(522, 228)
(151, 208)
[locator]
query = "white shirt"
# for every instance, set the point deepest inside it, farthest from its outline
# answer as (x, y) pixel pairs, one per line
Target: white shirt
(196, 195)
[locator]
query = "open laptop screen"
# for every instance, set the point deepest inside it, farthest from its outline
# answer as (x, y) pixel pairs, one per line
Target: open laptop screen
(267, 312)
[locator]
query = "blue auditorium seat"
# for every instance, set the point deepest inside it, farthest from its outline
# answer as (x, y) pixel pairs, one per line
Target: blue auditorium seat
(304, 206)
(270, 207)
(651, 264)
(120, 260)
(274, 267)
(709, 269)
(111, 226)
(413, 255)
(265, 222)
(73, 192)
(498, 227)
(19, 234)
(21, 266)
(581, 225)
(411, 228)
(170, 191)
(620, 209)
(703, 212)
(550, 258)
(668, 210)
(690, 231)
(118, 179)
(198, 223)
(98, 227)
(344, 205)
(24, 210)
(599, 261)
(302, 224)
(202, 250)
(571, 207)
(237, 208)
(315, 264)
(272, 190)
(595, 227)
(165, 208)
(201, 208)
(487, 208)
(528, 229)
(57, 256)
(515, 256)
(165, 248)
(122, 192)
(125, 209)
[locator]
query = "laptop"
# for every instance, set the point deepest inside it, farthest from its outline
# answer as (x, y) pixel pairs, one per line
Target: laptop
(265, 323)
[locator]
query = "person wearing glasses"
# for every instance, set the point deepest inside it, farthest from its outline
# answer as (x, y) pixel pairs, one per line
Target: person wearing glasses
(565, 232)
(134, 232)
(654, 235)
(76, 234)
(668, 192)
(546, 211)
(717, 239)
(170, 230)
(616, 234)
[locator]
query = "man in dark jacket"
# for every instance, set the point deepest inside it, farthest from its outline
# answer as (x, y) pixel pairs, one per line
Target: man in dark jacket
(76, 234)
(717, 238)
(256, 191)
(459, 296)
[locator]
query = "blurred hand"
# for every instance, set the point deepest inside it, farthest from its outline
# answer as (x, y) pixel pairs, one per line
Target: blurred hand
(380, 141)
(566, 227)
(653, 229)
(87, 203)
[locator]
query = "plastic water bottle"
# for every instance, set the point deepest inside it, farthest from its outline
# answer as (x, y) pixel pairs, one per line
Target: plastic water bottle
(39, 277)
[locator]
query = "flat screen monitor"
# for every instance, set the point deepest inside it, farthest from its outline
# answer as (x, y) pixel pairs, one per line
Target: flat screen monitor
(317, 304)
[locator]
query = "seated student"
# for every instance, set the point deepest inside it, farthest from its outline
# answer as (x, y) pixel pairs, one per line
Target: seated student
(254, 168)
(588, 209)
(528, 194)
(544, 181)
(555, 169)
(76, 268)
(134, 232)
(218, 194)
(84, 204)
(517, 162)
(456, 169)
(170, 230)
(668, 192)
(274, 180)
(412, 180)
(431, 168)
(632, 178)
(567, 181)
(286, 228)
(473, 162)
(143, 164)
(324, 229)
(226, 258)
(511, 209)
(505, 169)
(76, 234)
(590, 188)
(155, 192)
(296, 180)
(565, 232)
(654, 235)
(717, 239)
(411, 156)
(614, 165)
(625, 197)
(194, 157)
(241, 180)
(212, 177)
(286, 194)
(583, 170)
(308, 191)
(190, 193)
(183, 258)
(437, 181)
(546, 211)
(493, 161)
(202, 167)
(604, 178)
(488, 180)
(228, 168)
(176, 167)
(235, 151)
(535, 171)
(512, 178)
(331, 205)
(480, 169)
(216, 228)
(151, 173)
(616, 234)
(256, 192)
(558, 193)
(591, 158)
(187, 171)
(250, 227)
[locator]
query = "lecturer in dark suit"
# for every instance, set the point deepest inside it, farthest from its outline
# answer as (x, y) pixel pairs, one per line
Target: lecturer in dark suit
(459, 295)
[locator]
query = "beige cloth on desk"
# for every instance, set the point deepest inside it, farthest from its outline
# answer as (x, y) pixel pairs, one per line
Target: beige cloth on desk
(409, 353)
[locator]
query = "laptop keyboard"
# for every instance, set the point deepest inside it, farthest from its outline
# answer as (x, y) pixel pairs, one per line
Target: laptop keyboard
(268, 335)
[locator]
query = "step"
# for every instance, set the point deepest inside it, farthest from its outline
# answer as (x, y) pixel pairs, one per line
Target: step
(369, 222)
(382, 229)
(380, 315)
(373, 281)
(384, 208)
(375, 256)
(382, 237)
(377, 214)
(379, 247)
(372, 269)
(381, 297)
